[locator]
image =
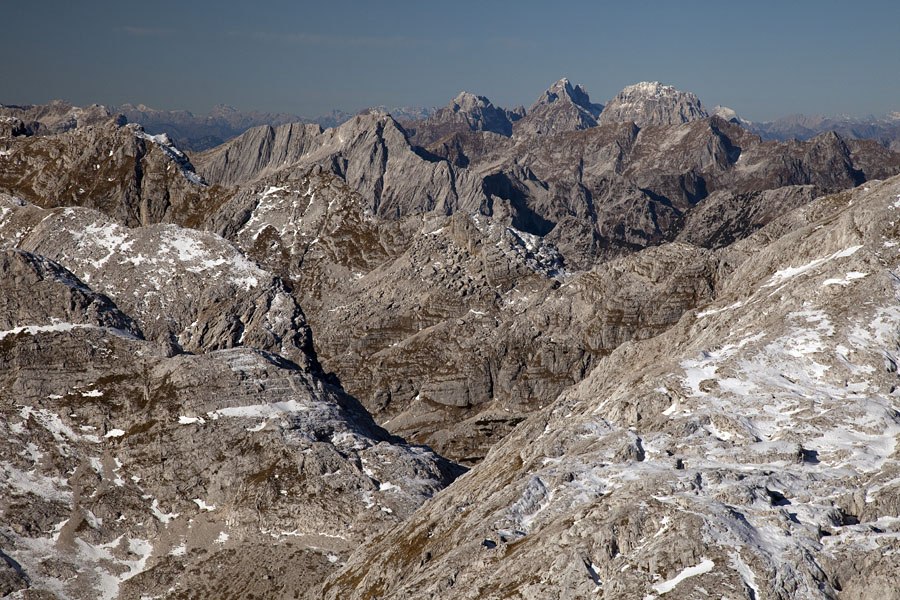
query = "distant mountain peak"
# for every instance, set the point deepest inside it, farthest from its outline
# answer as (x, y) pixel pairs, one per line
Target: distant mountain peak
(468, 101)
(466, 112)
(652, 103)
(562, 107)
(649, 88)
(564, 90)
(728, 114)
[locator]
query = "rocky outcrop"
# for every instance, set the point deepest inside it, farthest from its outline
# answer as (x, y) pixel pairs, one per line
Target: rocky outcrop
(561, 108)
(346, 220)
(209, 295)
(466, 112)
(725, 217)
(370, 153)
(728, 114)
(56, 117)
(709, 416)
(758, 433)
(613, 188)
(131, 469)
(134, 178)
(258, 152)
(11, 127)
(42, 294)
(144, 474)
(651, 103)
(415, 313)
(493, 326)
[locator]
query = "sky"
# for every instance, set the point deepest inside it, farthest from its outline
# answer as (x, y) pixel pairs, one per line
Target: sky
(763, 59)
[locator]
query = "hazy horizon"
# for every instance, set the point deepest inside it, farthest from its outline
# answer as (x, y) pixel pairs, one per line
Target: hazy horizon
(765, 61)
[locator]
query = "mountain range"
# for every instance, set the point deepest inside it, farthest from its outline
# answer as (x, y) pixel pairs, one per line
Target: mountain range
(545, 115)
(574, 350)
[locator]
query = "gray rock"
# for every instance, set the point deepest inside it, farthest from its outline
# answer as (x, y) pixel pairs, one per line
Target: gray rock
(56, 117)
(119, 170)
(186, 288)
(43, 294)
(757, 434)
(651, 103)
(466, 112)
(560, 108)
(370, 152)
(128, 472)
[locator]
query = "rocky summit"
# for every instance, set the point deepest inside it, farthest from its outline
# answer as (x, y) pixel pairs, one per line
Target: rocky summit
(652, 103)
(561, 108)
(621, 350)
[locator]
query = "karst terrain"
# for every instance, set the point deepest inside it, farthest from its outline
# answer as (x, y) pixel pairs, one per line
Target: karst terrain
(638, 349)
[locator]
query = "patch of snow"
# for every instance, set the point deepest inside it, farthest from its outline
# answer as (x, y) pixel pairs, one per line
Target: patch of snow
(387, 486)
(163, 518)
(204, 506)
(790, 272)
(667, 586)
(260, 411)
(714, 311)
(35, 329)
(852, 275)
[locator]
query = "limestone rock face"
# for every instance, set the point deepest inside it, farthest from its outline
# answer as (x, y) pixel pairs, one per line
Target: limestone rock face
(451, 329)
(748, 452)
(55, 117)
(561, 108)
(257, 152)
(491, 326)
(120, 170)
(210, 295)
(347, 218)
(466, 112)
(145, 474)
(666, 351)
(42, 293)
(602, 192)
(11, 127)
(651, 103)
(724, 217)
(369, 152)
(130, 469)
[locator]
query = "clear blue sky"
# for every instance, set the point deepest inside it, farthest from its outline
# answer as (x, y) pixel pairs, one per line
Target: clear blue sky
(764, 59)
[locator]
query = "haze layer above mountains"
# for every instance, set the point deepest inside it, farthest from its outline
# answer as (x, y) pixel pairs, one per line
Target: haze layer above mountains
(570, 350)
